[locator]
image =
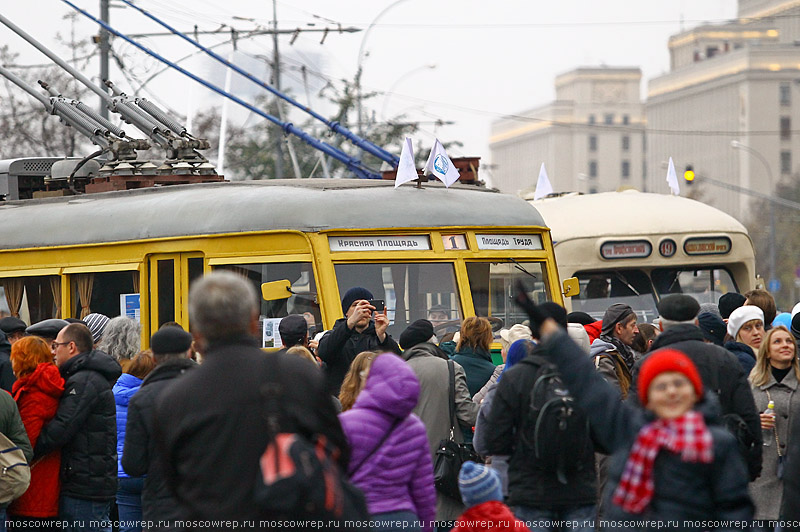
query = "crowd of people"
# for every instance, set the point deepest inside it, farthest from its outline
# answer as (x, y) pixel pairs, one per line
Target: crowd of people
(685, 423)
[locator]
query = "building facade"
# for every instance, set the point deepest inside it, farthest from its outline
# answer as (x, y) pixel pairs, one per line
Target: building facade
(591, 138)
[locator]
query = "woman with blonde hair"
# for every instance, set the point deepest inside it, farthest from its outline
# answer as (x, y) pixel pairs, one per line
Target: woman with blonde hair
(472, 352)
(355, 378)
(37, 391)
(775, 377)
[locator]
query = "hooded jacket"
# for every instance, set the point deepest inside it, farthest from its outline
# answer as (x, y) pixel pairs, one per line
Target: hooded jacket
(37, 397)
(489, 516)
(11, 426)
(85, 428)
(342, 344)
(721, 373)
(745, 354)
(610, 363)
(684, 491)
(395, 474)
(139, 456)
(6, 373)
(126, 386)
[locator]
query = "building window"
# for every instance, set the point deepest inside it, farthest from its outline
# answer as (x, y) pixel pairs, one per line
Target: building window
(591, 119)
(592, 168)
(626, 169)
(609, 119)
(785, 92)
(711, 51)
(626, 143)
(626, 120)
(786, 162)
(786, 128)
(592, 142)
(592, 190)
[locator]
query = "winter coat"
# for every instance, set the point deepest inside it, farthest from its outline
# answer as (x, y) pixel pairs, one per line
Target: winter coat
(790, 508)
(720, 372)
(594, 330)
(6, 373)
(123, 390)
(490, 384)
(37, 397)
(499, 462)
(139, 456)
(684, 491)
(395, 474)
(609, 363)
(529, 484)
(430, 366)
(85, 428)
(12, 428)
(210, 430)
(767, 490)
(489, 516)
(477, 365)
(745, 354)
(341, 345)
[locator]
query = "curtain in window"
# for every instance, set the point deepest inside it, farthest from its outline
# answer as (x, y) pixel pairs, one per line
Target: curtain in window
(14, 289)
(85, 282)
(136, 282)
(55, 287)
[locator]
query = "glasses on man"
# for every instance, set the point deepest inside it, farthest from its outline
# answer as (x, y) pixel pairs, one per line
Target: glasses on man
(54, 345)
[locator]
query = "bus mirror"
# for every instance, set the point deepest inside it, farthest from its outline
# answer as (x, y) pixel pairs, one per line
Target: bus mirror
(276, 290)
(571, 287)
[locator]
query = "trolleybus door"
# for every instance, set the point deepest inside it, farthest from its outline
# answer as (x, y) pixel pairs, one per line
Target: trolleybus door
(171, 276)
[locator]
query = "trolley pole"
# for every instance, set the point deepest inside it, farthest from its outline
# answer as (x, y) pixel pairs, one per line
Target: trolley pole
(104, 52)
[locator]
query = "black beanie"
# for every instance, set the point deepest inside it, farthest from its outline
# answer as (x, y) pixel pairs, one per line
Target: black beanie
(730, 302)
(354, 294)
(580, 317)
(796, 326)
(416, 333)
(713, 327)
(170, 340)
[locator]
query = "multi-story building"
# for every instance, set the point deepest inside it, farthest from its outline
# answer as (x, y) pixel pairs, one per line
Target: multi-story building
(591, 138)
(729, 104)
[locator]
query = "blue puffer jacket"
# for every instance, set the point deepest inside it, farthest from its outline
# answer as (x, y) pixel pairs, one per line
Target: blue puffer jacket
(126, 386)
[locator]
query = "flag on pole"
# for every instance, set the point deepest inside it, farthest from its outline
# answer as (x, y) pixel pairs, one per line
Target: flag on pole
(406, 171)
(543, 186)
(440, 165)
(672, 178)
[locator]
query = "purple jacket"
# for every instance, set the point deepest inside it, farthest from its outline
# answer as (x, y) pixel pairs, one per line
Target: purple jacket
(399, 475)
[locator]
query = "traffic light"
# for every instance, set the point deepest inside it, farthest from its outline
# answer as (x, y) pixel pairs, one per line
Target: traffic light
(688, 174)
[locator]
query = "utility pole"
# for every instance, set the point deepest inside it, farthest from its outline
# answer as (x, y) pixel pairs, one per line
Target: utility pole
(276, 81)
(104, 52)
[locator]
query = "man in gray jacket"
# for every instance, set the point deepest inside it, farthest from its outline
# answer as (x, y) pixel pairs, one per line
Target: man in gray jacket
(429, 363)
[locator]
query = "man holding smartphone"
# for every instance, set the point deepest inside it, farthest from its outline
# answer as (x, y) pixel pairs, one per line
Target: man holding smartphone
(363, 328)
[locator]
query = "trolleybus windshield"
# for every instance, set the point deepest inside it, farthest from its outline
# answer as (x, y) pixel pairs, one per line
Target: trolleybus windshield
(706, 285)
(600, 290)
(492, 285)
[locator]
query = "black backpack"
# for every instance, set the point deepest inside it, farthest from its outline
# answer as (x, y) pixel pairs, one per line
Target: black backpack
(554, 428)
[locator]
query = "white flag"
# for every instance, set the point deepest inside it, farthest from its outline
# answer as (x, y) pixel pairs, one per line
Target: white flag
(672, 178)
(440, 165)
(406, 171)
(543, 186)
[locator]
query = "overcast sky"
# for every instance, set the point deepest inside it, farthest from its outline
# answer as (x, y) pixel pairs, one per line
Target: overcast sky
(490, 58)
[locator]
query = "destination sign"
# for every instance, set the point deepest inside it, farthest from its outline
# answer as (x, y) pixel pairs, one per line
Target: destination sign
(379, 243)
(634, 249)
(719, 245)
(531, 242)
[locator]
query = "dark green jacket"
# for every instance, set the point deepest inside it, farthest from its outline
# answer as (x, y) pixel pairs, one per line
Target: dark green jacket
(477, 365)
(11, 425)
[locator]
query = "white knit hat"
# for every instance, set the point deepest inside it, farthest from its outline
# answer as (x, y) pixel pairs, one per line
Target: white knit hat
(742, 315)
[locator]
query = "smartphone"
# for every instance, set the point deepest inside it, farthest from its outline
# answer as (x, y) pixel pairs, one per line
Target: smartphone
(379, 304)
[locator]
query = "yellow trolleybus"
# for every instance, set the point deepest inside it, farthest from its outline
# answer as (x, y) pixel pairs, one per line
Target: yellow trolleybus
(636, 247)
(301, 242)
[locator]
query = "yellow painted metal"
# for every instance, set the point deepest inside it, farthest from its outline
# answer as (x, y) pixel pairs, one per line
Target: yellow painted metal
(571, 287)
(35, 272)
(276, 290)
(255, 259)
(118, 267)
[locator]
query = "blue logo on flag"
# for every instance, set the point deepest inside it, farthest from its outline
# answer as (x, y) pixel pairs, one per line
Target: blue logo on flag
(440, 164)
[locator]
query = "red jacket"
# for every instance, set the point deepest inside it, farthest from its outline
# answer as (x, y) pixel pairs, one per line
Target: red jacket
(490, 515)
(37, 397)
(594, 330)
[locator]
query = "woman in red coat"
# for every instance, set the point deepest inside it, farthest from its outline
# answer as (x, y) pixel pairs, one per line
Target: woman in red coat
(37, 391)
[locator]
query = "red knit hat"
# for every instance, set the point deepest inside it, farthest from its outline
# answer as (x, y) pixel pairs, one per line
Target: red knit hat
(667, 360)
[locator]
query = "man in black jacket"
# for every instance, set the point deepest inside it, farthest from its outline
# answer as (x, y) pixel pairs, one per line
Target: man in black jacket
(210, 424)
(172, 352)
(85, 429)
(6, 373)
(537, 492)
(719, 370)
(351, 335)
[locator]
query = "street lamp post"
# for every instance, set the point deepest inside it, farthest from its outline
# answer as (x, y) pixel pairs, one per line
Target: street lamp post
(359, 66)
(735, 144)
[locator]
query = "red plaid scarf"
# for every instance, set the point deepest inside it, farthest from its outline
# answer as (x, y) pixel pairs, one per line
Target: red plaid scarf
(687, 435)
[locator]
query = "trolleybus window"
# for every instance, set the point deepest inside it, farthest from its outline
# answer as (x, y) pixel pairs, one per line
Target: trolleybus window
(411, 291)
(706, 285)
(100, 291)
(33, 299)
(600, 290)
(304, 290)
(492, 285)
